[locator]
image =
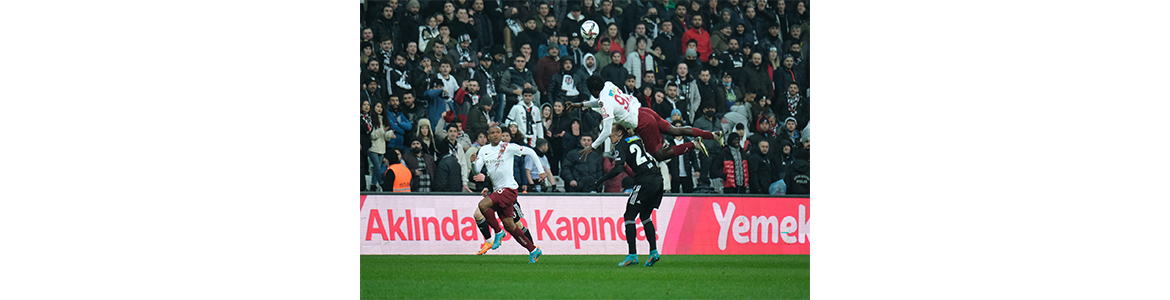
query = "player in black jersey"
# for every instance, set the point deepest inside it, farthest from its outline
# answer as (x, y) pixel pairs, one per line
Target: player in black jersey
(647, 193)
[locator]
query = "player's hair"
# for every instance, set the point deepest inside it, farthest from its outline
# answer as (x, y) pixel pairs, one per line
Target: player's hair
(595, 82)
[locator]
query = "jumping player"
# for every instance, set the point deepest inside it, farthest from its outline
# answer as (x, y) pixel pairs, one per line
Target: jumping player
(619, 108)
(647, 193)
(498, 158)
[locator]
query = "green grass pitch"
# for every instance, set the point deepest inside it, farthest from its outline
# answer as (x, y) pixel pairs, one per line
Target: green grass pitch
(584, 277)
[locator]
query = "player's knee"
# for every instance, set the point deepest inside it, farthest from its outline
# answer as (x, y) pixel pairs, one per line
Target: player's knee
(630, 215)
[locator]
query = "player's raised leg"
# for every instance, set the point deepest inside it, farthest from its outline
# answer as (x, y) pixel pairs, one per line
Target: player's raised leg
(533, 252)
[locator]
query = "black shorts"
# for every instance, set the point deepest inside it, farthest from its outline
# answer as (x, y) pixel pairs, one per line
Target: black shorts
(647, 194)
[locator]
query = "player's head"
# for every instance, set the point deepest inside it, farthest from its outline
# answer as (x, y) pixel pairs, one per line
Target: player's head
(494, 134)
(595, 84)
(617, 134)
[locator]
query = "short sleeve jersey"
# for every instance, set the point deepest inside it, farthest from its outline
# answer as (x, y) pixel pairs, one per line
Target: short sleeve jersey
(623, 107)
(499, 161)
(631, 151)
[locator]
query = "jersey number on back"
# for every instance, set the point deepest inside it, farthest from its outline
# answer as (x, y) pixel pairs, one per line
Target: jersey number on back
(624, 100)
(639, 157)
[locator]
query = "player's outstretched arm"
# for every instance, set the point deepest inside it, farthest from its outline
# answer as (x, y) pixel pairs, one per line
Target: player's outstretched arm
(617, 168)
(606, 129)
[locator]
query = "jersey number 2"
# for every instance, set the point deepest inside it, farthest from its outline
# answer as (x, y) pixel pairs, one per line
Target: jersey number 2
(639, 157)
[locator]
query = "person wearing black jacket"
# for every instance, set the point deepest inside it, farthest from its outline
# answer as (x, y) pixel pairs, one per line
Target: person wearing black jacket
(682, 176)
(579, 173)
(614, 72)
(385, 25)
(567, 85)
(367, 125)
(669, 41)
(764, 168)
(447, 176)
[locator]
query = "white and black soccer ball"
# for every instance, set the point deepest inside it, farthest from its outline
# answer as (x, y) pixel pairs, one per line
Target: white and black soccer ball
(590, 30)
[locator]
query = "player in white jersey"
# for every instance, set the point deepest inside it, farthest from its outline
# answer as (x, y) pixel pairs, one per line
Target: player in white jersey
(497, 157)
(619, 108)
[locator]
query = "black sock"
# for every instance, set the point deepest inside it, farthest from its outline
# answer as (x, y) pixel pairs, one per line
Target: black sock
(650, 234)
(528, 235)
(631, 236)
(483, 228)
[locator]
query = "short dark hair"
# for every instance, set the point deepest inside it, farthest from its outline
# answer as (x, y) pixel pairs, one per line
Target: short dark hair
(631, 76)
(391, 155)
(541, 143)
(595, 82)
(452, 124)
(671, 84)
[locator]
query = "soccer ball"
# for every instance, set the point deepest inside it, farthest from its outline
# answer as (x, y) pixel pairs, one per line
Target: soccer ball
(589, 30)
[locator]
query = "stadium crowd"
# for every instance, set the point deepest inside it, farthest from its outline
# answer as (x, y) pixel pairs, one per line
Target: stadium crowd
(437, 74)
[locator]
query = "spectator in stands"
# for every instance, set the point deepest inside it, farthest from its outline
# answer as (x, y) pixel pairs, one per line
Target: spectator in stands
(787, 74)
(367, 52)
(673, 101)
(603, 56)
(745, 34)
(377, 143)
(367, 129)
(545, 69)
(614, 72)
(479, 118)
(765, 168)
(412, 112)
(386, 25)
(398, 123)
(568, 85)
(630, 86)
(707, 88)
(453, 141)
(580, 172)
(386, 53)
(719, 38)
(614, 185)
(398, 76)
(731, 60)
(732, 166)
(701, 37)
(639, 61)
(763, 132)
(396, 174)
(367, 36)
(727, 94)
(466, 98)
(428, 33)
(659, 105)
(438, 54)
(650, 80)
(793, 106)
(631, 44)
(461, 25)
(670, 43)
(676, 115)
(532, 169)
(683, 168)
(709, 120)
(423, 166)
(424, 135)
(374, 70)
(788, 131)
(754, 77)
(423, 75)
(438, 103)
(371, 92)
(688, 91)
(526, 117)
(448, 174)
(516, 79)
(463, 58)
(410, 22)
(530, 36)
(608, 18)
